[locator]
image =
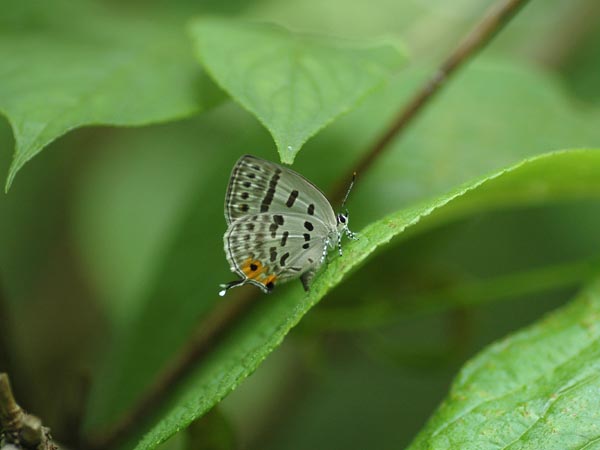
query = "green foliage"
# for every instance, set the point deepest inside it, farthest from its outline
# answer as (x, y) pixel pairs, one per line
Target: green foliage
(105, 69)
(535, 389)
(294, 84)
(111, 243)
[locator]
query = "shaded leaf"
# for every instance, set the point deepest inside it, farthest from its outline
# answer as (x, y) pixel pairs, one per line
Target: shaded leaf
(535, 389)
(124, 235)
(103, 69)
(211, 432)
(294, 84)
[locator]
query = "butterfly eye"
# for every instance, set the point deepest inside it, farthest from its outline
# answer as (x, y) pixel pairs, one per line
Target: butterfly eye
(341, 218)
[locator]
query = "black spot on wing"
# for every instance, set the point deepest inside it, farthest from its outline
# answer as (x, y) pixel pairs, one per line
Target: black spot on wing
(278, 219)
(273, 253)
(305, 246)
(311, 209)
(245, 195)
(273, 229)
(309, 226)
(292, 198)
(266, 203)
(283, 258)
(246, 184)
(284, 238)
(306, 236)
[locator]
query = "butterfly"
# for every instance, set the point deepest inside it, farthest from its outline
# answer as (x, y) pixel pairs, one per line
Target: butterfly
(280, 226)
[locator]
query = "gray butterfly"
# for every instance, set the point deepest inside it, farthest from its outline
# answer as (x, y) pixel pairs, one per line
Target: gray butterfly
(280, 225)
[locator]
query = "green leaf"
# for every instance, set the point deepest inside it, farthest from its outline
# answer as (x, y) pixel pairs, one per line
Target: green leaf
(103, 69)
(538, 388)
(563, 174)
(294, 84)
(119, 226)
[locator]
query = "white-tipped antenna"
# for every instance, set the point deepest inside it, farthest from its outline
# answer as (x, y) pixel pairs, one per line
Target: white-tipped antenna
(226, 286)
(349, 189)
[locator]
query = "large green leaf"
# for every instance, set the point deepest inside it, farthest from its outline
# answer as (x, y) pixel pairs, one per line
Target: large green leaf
(555, 175)
(58, 73)
(294, 84)
(538, 388)
(123, 234)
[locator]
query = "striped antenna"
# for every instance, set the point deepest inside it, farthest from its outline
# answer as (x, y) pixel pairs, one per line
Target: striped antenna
(349, 189)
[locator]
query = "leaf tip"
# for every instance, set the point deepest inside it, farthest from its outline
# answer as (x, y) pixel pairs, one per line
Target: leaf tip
(287, 153)
(14, 168)
(9, 179)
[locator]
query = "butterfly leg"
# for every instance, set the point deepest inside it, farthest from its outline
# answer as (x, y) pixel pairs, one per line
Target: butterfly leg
(340, 244)
(351, 235)
(325, 248)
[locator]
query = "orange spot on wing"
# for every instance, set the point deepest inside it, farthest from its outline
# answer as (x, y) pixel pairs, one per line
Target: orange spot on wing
(270, 279)
(253, 268)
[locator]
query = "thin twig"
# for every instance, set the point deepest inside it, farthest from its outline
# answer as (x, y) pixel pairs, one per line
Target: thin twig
(494, 20)
(224, 318)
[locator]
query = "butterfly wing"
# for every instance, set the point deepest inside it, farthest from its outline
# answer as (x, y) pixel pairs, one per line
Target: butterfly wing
(257, 186)
(267, 249)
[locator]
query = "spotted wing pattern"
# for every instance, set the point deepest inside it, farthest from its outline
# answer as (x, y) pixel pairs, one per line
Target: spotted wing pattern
(268, 248)
(257, 186)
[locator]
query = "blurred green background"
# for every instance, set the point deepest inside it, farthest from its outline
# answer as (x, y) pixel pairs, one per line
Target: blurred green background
(108, 220)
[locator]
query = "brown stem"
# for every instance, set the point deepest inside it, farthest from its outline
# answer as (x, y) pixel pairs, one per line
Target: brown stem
(17, 427)
(215, 327)
(493, 21)
(11, 414)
